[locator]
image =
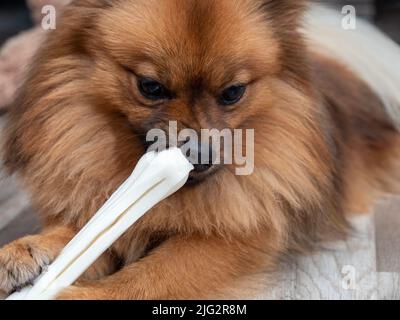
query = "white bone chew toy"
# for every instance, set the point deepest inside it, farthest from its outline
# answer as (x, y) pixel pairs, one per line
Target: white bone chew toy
(156, 176)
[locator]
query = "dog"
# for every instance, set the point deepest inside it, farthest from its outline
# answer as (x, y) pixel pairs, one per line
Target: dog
(322, 102)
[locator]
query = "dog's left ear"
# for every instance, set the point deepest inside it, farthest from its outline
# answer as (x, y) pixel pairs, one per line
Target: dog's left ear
(285, 17)
(284, 5)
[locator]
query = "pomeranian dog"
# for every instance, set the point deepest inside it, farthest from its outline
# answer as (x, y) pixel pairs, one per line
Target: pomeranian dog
(323, 101)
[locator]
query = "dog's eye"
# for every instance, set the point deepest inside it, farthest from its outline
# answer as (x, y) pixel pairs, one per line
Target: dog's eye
(232, 95)
(152, 89)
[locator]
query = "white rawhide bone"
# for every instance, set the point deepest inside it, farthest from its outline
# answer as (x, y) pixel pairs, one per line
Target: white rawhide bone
(155, 177)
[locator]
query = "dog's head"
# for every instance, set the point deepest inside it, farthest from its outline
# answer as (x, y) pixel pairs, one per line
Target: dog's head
(209, 64)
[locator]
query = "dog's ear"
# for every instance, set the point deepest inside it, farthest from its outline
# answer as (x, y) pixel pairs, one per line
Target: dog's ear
(284, 11)
(285, 17)
(284, 5)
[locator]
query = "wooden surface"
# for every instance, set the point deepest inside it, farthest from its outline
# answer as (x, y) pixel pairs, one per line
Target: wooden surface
(16, 216)
(364, 267)
(351, 269)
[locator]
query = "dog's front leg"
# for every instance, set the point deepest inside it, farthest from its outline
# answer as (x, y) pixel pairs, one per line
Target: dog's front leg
(23, 260)
(182, 268)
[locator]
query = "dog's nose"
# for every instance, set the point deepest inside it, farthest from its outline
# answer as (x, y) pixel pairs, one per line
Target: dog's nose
(200, 155)
(204, 159)
(202, 167)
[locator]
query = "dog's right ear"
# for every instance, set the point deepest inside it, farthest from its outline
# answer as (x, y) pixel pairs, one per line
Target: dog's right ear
(286, 11)
(285, 17)
(284, 5)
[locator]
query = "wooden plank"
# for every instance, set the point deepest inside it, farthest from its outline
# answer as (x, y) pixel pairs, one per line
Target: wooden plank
(388, 286)
(326, 274)
(387, 229)
(16, 217)
(343, 270)
(26, 223)
(12, 200)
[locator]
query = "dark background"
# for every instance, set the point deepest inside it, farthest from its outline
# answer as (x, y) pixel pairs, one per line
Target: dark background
(14, 17)
(388, 17)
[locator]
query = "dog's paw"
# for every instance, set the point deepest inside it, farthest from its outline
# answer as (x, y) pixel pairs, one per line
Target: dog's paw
(21, 262)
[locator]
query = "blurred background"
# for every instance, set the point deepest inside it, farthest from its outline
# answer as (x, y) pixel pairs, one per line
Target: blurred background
(384, 13)
(14, 17)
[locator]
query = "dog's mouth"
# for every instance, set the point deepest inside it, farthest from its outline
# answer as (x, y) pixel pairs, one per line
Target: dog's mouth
(194, 153)
(203, 160)
(201, 171)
